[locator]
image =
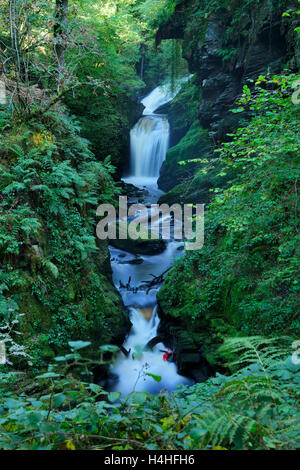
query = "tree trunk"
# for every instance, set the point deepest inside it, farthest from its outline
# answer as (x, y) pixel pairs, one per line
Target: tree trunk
(14, 35)
(61, 21)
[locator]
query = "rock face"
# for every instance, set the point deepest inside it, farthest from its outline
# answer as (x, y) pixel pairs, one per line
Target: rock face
(222, 59)
(99, 317)
(222, 80)
(189, 356)
(224, 53)
(194, 145)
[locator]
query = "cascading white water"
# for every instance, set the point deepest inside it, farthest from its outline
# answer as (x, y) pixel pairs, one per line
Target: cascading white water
(149, 144)
(149, 141)
(132, 371)
(149, 138)
(162, 95)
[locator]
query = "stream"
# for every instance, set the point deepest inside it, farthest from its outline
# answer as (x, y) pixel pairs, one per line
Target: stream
(149, 140)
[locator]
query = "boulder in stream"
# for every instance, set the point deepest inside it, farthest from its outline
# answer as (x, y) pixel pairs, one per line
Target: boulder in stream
(140, 247)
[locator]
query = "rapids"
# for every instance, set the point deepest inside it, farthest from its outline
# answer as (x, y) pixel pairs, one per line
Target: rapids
(149, 143)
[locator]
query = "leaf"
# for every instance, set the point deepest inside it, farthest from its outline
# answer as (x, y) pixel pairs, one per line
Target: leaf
(140, 397)
(157, 378)
(60, 358)
(70, 445)
(48, 375)
(12, 403)
(108, 348)
(79, 344)
(113, 396)
(51, 268)
(58, 400)
(95, 388)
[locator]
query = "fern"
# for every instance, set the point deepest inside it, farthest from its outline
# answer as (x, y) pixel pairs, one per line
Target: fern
(253, 408)
(51, 268)
(254, 350)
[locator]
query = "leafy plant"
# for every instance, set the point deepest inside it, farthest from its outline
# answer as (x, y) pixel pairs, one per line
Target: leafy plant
(256, 408)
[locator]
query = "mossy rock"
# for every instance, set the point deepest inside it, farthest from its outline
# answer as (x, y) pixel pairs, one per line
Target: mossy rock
(66, 309)
(197, 190)
(182, 110)
(194, 145)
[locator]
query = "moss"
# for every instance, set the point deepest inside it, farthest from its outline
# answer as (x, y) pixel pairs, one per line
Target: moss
(197, 190)
(36, 318)
(54, 269)
(244, 281)
(194, 145)
(100, 316)
(106, 124)
(13, 136)
(182, 110)
(116, 317)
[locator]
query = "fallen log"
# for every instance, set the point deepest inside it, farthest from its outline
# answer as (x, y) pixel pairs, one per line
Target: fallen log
(156, 280)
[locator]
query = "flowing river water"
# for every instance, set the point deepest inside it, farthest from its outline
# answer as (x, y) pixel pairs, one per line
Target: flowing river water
(149, 140)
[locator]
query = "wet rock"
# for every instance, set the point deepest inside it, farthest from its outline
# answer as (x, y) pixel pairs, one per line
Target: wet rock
(141, 247)
(187, 348)
(222, 80)
(219, 81)
(136, 261)
(194, 145)
(223, 62)
(132, 261)
(38, 250)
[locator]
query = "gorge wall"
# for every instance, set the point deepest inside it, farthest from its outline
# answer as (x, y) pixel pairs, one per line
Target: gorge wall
(218, 291)
(224, 52)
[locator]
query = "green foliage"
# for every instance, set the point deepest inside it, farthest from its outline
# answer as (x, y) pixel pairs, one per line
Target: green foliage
(53, 289)
(243, 21)
(157, 12)
(195, 143)
(51, 267)
(255, 408)
(163, 62)
(46, 44)
(183, 108)
(246, 276)
(105, 118)
(4, 118)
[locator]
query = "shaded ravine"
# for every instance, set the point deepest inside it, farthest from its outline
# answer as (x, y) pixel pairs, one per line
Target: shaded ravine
(133, 272)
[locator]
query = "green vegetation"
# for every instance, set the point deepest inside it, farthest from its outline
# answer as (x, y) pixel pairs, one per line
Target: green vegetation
(198, 14)
(245, 279)
(194, 143)
(51, 269)
(255, 408)
(71, 76)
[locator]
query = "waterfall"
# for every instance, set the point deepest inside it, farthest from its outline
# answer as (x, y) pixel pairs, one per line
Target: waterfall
(162, 95)
(132, 371)
(149, 140)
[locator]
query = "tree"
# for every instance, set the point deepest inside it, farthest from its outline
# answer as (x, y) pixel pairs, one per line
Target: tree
(41, 51)
(60, 27)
